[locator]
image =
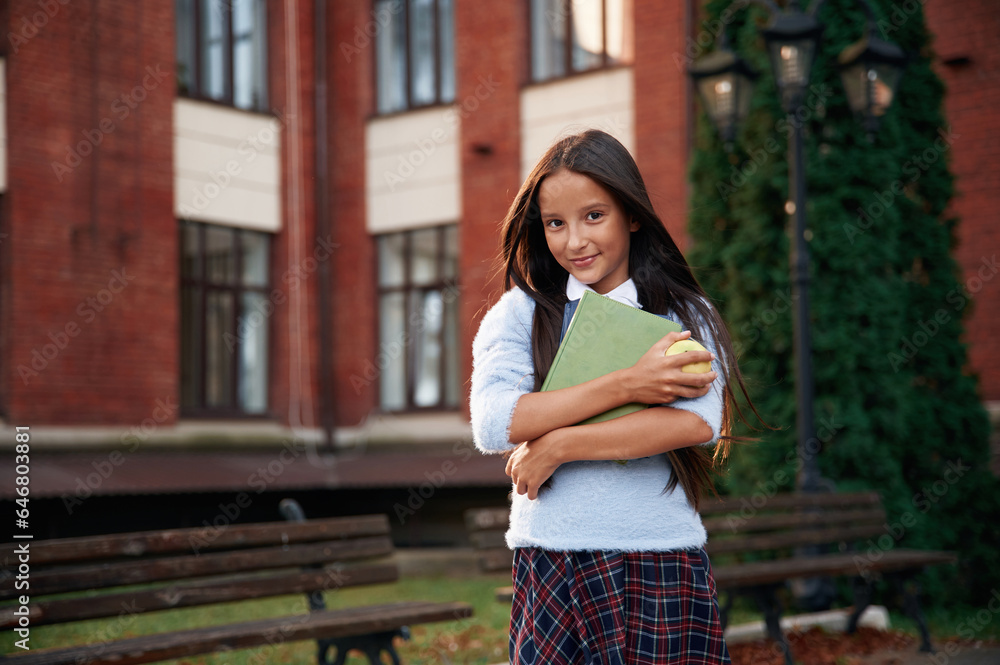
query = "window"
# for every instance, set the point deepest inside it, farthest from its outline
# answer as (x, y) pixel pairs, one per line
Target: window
(415, 54)
(222, 51)
(571, 36)
(418, 319)
(224, 319)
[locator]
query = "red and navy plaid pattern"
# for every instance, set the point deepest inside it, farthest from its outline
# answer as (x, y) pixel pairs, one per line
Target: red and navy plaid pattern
(615, 608)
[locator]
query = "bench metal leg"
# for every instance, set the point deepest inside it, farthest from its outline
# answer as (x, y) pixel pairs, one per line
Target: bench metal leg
(909, 589)
(770, 606)
(862, 599)
(372, 645)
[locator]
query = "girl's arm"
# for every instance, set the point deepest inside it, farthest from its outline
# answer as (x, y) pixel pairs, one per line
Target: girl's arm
(655, 379)
(640, 434)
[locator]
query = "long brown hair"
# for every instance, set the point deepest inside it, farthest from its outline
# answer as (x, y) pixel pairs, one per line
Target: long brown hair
(661, 274)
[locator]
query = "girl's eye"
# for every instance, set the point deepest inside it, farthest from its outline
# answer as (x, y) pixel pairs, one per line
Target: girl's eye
(595, 215)
(553, 223)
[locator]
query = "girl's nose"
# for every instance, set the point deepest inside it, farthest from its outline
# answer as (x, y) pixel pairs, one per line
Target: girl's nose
(577, 237)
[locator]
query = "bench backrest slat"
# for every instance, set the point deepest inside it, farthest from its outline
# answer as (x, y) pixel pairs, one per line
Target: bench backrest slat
(789, 501)
(232, 588)
(797, 520)
(112, 574)
(789, 539)
(66, 550)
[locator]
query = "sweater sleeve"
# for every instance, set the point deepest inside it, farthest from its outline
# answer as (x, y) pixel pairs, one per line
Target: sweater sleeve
(502, 370)
(709, 405)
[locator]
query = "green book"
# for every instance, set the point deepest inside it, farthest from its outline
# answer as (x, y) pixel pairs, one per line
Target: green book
(604, 335)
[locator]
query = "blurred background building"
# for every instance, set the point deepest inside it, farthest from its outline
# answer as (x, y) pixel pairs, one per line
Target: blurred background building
(245, 244)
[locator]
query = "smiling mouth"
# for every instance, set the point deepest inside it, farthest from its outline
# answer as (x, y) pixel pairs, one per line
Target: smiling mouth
(584, 261)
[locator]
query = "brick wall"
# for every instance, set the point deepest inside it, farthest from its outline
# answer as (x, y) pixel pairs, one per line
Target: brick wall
(90, 285)
(970, 29)
(489, 83)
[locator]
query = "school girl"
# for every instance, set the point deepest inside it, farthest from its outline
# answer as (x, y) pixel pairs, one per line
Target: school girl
(609, 559)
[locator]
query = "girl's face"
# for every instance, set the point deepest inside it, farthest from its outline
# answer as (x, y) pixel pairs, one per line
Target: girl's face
(586, 229)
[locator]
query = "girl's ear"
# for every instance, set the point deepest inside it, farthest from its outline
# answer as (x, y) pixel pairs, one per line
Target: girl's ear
(633, 226)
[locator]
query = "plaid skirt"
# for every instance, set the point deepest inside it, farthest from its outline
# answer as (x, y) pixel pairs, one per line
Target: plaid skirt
(615, 608)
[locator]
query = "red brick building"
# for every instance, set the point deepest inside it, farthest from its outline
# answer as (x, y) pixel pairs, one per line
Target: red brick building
(230, 224)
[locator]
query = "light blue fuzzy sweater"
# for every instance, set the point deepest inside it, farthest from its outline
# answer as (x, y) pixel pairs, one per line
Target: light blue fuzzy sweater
(590, 505)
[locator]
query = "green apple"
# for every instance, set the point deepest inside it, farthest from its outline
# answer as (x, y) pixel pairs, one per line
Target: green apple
(684, 346)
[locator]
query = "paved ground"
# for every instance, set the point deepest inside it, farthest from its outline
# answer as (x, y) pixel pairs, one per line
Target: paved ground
(957, 654)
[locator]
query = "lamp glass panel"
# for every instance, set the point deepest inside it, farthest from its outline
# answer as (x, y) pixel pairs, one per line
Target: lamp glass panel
(884, 79)
(791, 62)
(855, 80)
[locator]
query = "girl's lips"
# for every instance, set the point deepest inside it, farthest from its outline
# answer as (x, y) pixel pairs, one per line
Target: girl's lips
(584, 262)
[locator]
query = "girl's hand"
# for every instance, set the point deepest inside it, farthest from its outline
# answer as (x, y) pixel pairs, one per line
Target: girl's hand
(658, 379)
(532, 463)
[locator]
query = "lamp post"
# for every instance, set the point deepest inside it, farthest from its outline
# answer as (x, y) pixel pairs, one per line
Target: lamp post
(870, 72)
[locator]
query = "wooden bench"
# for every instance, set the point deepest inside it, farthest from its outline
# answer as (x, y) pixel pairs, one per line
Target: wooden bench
(756, 546)
(757, 549)
(126, 574)
(487, 528)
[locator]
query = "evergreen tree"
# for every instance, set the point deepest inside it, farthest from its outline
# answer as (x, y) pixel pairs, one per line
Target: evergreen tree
(895, 407)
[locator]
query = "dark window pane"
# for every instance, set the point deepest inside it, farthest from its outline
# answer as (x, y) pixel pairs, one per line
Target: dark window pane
(450, 252)
(220, 262)
(427, 323)
(392, 359)
(185, 45)
(248, 54)
(548, 35)
(422, 52)
(190, 251)
(390, 56)
(253, 354)
(219, 349)
(424, 253)
(214, 46)
(191, 334)
(391, 262)
(451, 359)
(255, 258)
(588, 35)
(446, 49)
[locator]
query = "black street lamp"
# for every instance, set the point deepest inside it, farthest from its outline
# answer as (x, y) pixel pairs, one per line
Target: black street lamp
(870, 71)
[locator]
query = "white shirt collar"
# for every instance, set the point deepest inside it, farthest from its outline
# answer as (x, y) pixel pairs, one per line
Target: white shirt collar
(624, 293)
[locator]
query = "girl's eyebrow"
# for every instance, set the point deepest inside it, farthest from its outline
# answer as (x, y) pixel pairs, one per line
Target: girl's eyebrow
(596, 203)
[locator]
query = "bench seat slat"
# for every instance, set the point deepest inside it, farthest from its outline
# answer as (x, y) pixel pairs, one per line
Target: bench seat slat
(851, 563)
(178, 567)
(230, 589)
(787, 539)
(323, 624)
(66, 550)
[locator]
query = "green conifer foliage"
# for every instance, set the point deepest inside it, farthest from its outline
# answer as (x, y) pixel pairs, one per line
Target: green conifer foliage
(895, 406)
